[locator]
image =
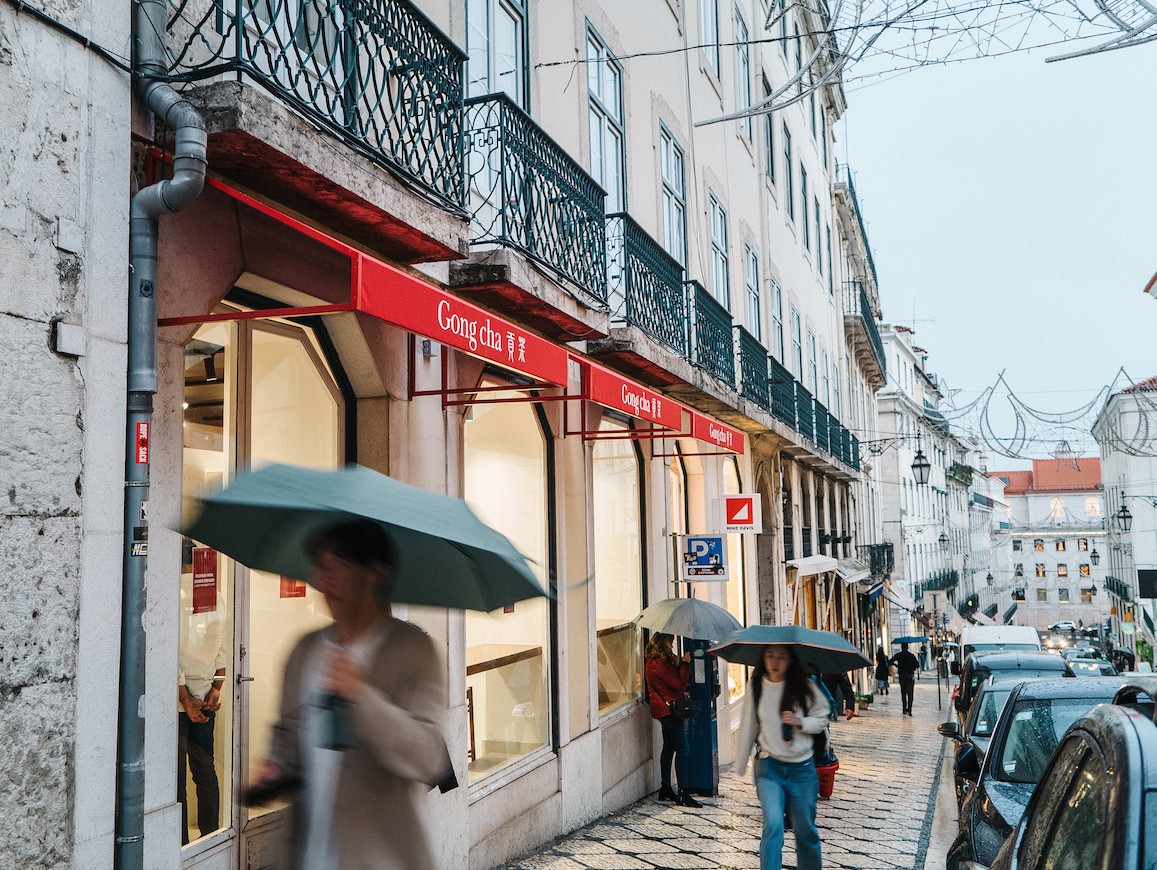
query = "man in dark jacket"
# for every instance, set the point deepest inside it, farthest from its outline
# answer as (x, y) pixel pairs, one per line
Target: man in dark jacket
(840, 682)
(906, 666)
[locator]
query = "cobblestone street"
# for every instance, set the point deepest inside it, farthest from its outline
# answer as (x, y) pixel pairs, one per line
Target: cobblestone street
(879, 817)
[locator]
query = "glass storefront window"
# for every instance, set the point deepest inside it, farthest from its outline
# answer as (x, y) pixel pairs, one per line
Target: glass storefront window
(736, 586)
(507, 651)
(618, 573)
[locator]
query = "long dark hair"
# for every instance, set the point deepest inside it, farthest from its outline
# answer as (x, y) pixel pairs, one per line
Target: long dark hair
(796, 688)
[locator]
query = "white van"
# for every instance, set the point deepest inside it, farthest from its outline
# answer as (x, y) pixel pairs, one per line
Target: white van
(983, 638)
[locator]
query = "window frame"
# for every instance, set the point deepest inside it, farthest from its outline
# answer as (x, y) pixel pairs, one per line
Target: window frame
(807, 245)
(777, 320)
(797, 343)
(610, 120)
(754, 301)
(788, 174)
(709, 33)
(812, 361)
(720, 261)
(670, 150)
(743, 94)
(517, 9)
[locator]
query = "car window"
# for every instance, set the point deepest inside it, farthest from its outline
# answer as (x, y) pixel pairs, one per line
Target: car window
(1074, 840)
(1035, 728)
(988, 711)
(1086, 668)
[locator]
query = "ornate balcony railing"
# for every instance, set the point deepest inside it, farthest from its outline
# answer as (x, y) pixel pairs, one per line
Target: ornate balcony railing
(752, 369)
(782, 388)
(712, 346)
(823, 432)
(881, 559)
(645, 284)
(525, 192)
(939, 582)
(856, 305)
(855, 452)
(379, 75)
(844, 174)
(805, 416)
(1118, 588)
(838, 438)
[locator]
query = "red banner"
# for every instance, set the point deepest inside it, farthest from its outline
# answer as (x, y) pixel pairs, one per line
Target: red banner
(713, 432)
(204, 579)
(395, 297)
(614, 391)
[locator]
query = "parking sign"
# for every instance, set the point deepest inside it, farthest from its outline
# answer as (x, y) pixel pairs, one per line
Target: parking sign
(704, 558)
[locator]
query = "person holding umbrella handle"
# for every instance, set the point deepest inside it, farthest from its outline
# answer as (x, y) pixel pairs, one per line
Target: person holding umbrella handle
(667, 682)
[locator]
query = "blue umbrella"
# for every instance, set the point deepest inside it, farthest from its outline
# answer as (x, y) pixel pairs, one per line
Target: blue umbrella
(446, 556)
(688, 617)
(825, 651)
(910, 639)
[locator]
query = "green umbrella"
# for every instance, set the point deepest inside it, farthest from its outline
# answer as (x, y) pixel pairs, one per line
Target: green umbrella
(446, 556)
(688, 617)
(825, 651)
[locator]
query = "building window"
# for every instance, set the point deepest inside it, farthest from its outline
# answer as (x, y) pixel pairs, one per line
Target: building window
(777, 320)
(783, 35)
(1019, 572)
(788, 170)
(1040, 569)
(1057, 508)
(796, 343)
(1042, 594)
(605, 115)
(496, 49)
(811, 361)
(807, 240)
(508, 651)
(743, 71)
(1060, 545)
(798, 53)
(1083, 544)
(827, 380)
(674, 197)
(1018, 595)
(836, 393)
(1063, 595)
(720, 287)
(1092, 506)
(819, 238)
(617, 488)
(1062, 570)
(1086, 596)
(824, 135)
(1016, 544)
(831, 271)
(751, 271)
(709, 32)
(1085, 569)
(769, 138)
(1038, 544)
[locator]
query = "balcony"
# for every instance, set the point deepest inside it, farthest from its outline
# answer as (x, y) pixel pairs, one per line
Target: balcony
(645, 284)
(753, 380)
(860, 321)
(822, 428)
(1121, 590)
(526, 193)
(939, 582)
(379, 76)
(805, 412)
(881, 559)
(844, 174)
(712, 345)
(782, 389)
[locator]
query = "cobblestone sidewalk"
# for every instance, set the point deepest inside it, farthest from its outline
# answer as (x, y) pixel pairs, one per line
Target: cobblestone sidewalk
(879, 816)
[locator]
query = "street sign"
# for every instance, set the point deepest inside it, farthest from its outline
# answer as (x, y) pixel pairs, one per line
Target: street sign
(704, 558)
(743, 513)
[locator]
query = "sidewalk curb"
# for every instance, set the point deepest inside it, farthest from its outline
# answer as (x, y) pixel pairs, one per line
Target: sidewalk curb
(930, 812)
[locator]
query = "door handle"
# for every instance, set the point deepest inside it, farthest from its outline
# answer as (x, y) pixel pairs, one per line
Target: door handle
(241, 679)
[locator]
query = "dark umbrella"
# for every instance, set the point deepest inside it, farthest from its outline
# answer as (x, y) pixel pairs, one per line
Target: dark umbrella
(825, 651)
(910, 639)
(446, 556)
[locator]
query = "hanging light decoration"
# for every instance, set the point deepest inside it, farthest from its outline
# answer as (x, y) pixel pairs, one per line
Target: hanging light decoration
(1123, 516)
(921, 467)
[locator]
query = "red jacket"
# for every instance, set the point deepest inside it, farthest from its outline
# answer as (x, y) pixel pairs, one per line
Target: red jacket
(665, 683)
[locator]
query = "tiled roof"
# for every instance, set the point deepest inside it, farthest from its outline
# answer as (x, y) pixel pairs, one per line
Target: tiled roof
(1149, 385)
(1052, 475)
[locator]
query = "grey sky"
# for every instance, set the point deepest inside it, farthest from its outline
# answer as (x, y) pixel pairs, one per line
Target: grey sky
(1013, 202)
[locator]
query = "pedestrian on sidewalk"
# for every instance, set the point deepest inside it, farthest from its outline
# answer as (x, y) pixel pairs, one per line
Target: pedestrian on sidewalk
(840, 681)
(666, 682)
(881, 672)
(906, 667)
(782, 710)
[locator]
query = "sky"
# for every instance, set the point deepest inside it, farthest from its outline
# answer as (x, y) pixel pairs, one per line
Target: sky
(1011, 209)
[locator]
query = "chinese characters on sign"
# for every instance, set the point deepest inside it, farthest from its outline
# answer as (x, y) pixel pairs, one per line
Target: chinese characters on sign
(713, 432)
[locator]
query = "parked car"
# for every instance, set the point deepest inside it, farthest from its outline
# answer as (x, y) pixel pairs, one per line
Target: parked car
(990, 638)
(1063, 626)
(1035, 717)
(972, 739)
(1092, 668)
(1093, 809)
(1022, 665)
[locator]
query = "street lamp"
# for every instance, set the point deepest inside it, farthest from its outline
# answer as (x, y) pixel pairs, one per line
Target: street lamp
(943, 541)
(1123, 516)
(921, 468)
(1095, 557)
(989, 579)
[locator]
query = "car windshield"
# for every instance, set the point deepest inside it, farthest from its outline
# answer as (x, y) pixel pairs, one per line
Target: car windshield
(988, 708)
(1086, 668)
(1034, 731)
(986, 647)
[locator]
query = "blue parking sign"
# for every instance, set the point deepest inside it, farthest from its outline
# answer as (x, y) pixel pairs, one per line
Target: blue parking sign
(704, 558)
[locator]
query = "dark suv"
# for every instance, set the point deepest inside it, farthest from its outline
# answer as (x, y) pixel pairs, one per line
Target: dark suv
(1018, 665)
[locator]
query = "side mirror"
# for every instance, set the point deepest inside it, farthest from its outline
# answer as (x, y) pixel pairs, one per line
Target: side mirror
(955, 669)
(950, 730)
(968, 764)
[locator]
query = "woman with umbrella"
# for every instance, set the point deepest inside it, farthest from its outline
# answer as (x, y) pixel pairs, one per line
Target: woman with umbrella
(667, 682)
(782, 709)
(881, 671)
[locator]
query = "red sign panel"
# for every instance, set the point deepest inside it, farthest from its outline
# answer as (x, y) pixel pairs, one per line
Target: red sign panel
(739, 510)
(622, 394)
(204, 579)
(142, 452)
(395, 297)
(714, 432)
(291, 588)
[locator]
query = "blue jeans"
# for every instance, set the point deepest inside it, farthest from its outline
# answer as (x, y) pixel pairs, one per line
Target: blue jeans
(797, 787)
(674, 746)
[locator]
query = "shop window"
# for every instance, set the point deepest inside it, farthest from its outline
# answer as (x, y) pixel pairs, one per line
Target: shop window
(1060, 545)
(1063, 595)
(1042, 594)
(737, 585)
(508, 651)
(1040, 569)
(1083, 544)
(1062, 570)
(1017, 544)
(1084, 569)
(618, 567)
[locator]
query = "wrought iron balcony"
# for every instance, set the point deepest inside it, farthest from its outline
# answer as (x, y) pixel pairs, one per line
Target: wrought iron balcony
(1118, 588)
(844, 174)
(881, 559)
(526, 193)
(939, 582)
(753, 383)
(645, 284)
(782, 389)
(379, 75)
(822, 427)
(712, 346)
(861, 320)
(805, 416)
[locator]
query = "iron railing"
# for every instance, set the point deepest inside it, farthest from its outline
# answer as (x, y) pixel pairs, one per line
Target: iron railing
(712, 346)
(1010, 613)
(822, 431)
(1118, 588)
(991, 610)
(645, 284)
(379, 75)
(753, 358)
(525, 192)
(881, 559)
(844, 174)
(855, 453)
(939, 582)
(782, 388)
(804, 412)
(856, 304)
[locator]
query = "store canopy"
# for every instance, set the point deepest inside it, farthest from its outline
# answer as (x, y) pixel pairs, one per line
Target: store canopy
(852, 571)
(956, 622)
(898, 596)
(876, 591)
(980, 619)
(813, 565)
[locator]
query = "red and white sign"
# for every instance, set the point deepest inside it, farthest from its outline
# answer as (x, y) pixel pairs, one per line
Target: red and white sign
(622, 394)
(395, 297)
(142, 453)
(204, 579)
(713, 432)
(291, 588)
(743, 513)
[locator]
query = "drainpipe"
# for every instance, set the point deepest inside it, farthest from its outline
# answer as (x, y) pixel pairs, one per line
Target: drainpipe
(148, 205)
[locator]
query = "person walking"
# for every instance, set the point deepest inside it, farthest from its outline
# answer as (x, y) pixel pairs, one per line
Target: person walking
(881, 672)
(841, 682)
(666, 682)
(782, 710)
(923, 658)
(906, 667)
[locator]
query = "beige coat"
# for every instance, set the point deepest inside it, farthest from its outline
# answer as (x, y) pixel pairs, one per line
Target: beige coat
(399, 754)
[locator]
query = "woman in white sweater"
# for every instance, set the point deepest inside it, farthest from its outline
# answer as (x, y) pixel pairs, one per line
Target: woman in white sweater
(781, 711)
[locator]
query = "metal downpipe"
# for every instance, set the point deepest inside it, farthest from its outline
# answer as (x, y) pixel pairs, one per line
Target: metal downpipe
(165, 197)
